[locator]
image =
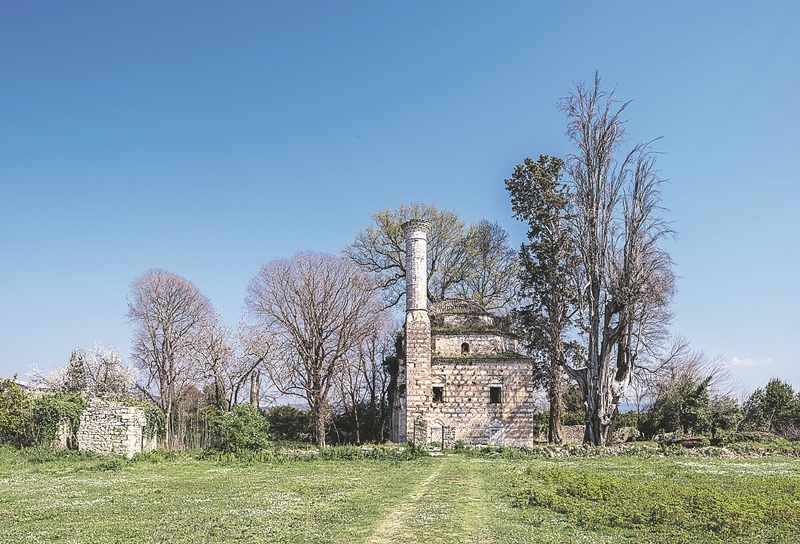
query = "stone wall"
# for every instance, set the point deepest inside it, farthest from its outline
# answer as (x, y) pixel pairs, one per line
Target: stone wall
(467, 321)
(110, 427)
(417, 368)
(449, 345)
(466, 404)
(573, 434)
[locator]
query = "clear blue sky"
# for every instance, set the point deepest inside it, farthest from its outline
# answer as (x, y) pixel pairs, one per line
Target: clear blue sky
(207, 138)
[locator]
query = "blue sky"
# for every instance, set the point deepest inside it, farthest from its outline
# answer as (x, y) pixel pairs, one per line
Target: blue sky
(207, 138)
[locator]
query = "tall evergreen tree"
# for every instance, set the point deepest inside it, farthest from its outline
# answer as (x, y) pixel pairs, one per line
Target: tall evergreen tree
(540, 199)
(76, 373)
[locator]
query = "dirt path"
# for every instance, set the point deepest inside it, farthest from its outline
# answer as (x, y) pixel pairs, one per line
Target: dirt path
(391, 526)
(447, 506)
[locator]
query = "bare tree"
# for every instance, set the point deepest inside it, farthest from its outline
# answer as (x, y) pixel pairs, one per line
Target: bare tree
(492, 271)
(474, 262)
(255, 352)
(362, 386)
(678, 363)
(215, 352)
(318, 309)
(624, 276)
(168, 314)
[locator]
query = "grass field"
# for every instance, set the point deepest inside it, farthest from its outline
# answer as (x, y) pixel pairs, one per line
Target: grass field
(454, 498)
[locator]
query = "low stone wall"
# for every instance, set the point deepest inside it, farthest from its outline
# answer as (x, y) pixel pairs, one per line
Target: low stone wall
(110, 427)
(573, 434)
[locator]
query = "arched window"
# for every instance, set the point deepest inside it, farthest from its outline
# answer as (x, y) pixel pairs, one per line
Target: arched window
(465, 349)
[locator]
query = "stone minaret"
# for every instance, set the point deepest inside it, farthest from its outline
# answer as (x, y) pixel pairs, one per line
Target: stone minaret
(418, 326)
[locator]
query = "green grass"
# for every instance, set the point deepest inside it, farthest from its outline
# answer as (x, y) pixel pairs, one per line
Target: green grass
(71, 497)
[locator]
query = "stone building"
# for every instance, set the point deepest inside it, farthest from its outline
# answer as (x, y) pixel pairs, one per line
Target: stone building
(462, 378)
(111, 427)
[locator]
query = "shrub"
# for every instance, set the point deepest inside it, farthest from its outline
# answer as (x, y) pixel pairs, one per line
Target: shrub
(775, 408)
(15, 409)
(50, 410)
(245, 428)
(288, 423)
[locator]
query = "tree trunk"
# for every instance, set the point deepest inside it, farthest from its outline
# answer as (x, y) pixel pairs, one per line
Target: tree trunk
(555, 396)
(255, 384)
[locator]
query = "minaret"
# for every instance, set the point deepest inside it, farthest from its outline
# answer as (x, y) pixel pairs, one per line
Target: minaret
(418, 326)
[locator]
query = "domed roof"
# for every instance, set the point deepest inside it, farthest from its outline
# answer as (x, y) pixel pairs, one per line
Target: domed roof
(456, 306)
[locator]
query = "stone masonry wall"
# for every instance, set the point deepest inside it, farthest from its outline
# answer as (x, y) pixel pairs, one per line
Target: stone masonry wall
(449, 345)
(466, 405)
(418, 325)
(110, 427)
(467, 321)
(417, 367)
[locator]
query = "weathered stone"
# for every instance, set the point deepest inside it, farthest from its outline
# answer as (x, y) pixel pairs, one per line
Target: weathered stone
(110, 427)
(476, 389)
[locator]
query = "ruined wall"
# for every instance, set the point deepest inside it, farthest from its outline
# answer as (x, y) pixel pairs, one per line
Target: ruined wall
(110, 427)
(466, 385)
(573, 434)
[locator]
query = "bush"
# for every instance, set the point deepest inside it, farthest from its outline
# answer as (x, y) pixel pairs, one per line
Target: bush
(775, 408)
(15, 409)
(245, 428)
(50, 410)
(288, 423)
(573, 417)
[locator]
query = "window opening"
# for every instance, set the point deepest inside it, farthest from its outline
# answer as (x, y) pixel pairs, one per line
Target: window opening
(465, 349)
(402, 390)
(494, 395)
(438, 394)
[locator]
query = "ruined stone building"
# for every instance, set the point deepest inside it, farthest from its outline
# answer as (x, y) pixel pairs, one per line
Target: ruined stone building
(111, 427)
(462, 378)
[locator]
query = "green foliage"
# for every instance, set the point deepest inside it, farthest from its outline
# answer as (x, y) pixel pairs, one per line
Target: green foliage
(156, 420)
(675, 502)
(774, 408)
(686, 407)
(726, 414)
(628, 419)
(573, 417)
(289, 423)
(50, 410)
(15, 409)
(27, 421)
(245, 428)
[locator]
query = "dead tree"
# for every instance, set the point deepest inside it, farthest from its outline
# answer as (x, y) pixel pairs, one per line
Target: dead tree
(317, 308)
(623, 275)
(168, 314)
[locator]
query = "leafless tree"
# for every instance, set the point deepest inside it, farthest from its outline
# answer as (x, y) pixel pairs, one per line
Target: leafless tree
(215, 352)
(678, 363)
(318, 309)
(363, 383)
(492, 274)
(168, 314)
(254, 355)
(625, 277)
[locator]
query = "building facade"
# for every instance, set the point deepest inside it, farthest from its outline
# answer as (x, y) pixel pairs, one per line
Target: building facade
(462, 377)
